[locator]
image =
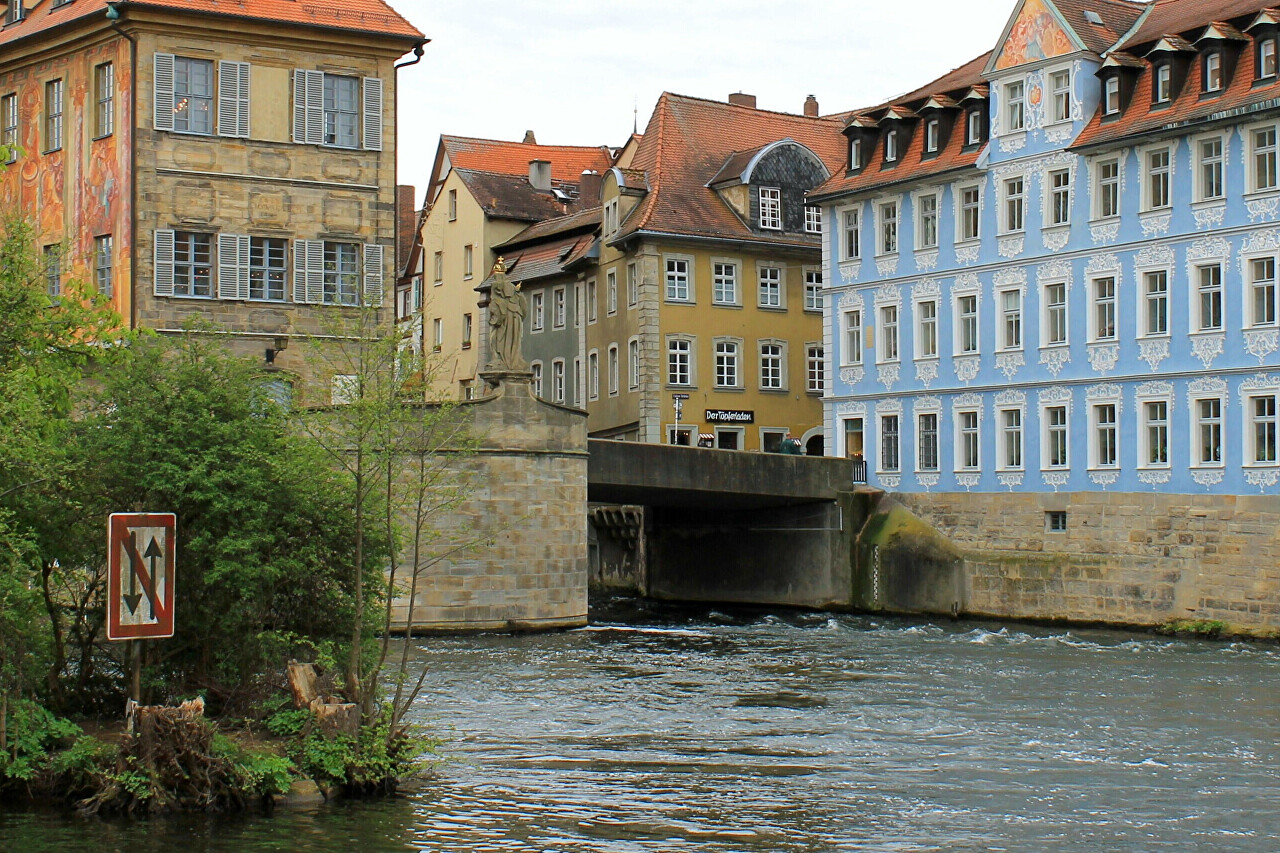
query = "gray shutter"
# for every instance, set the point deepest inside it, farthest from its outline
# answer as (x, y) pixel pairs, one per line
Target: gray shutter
(233, 99)
(372, 114)
(243, 280)
(299, 110)
(299, 270)
(308, 107)
(315, 271)
(373, 274)
(163, 103)
(228, 266)
(162, 271)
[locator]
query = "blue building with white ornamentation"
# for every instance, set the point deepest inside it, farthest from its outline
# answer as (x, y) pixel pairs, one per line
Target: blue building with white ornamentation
(1054, 269)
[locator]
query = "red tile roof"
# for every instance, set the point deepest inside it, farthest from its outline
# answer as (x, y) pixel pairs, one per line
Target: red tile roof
(366, 16)
(545, 259)
(587, 219)
(1180, 16)
(1118, 17)
(685, 145)
(512, 197)
(568, 162)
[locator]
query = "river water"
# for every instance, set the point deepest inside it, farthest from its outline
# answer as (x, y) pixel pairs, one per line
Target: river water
(696, 730)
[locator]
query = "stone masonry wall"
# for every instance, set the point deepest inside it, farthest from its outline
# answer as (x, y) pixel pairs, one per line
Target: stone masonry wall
(1134, 559)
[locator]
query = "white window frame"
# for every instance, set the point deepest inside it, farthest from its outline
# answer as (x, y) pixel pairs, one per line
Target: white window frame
(725, 278)
(932, 135)
(884, 353)
(537, 311)
(1047, 318)
(1010, 100)
(535, 367)
(1046, 430)
(1107, 395)
(1161, 174)
(1002, 424)
(960, 321)
(1007, 197)
(962, 207)
(1250, 281)
(1201, 162)
(1248, 397)
(679, 288)
(919, 421)
(1111, 95)
(592, 301)
(1145, 298)
(771, 293)
(926, 329)
(852, 336)
(1211, 71)
(812, 219)
(726, 353)
(690, 348)
(1162, 82)
(633, 284)
(559, 311)
(1270, 150)
(1196, 286)
(1143, 402)
(851, 246)
(814, 298)
(881, 417)
(815, 361)
(1051, 194)
(891, 145)
(770, 208)
(610, 292)
(960, 461)
(887, 226)
(921, 200)
(1002, 320)
(1059, 96)
(593, 374)
(1094, 302)
(783, 378)
(615, 370)
(557, 380)
(1198, 423)
(1102, 186)
(634, 365)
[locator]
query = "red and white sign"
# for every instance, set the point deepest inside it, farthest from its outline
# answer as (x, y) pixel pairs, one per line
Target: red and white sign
(141, 549)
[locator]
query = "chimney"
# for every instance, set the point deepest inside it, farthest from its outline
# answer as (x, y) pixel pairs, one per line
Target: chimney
(540, 175)
(743, 100)
(529, 138)
(589, 188)
(811, 106)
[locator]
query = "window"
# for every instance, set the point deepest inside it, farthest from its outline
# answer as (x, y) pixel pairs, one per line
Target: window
(724, 283)
(677, 280)
(1211, 162)
(931, 136)
(1155, 416)
(1264, 159)
(468, 254)
(1111, 96)
(1060, 197)
(1055, 314)
(466, 331)
(52, 262)
(891, 146)
(727, 364)
(1208, 414)
(927, 441)
(611, 216)
(771, 366)
(1105, 445)
(1011, 319)
(1210, 301)
(927, 213)
(591, 300)
(104, 92)
(889, 461)
(437, 334)
(613, 370)
(16, 11)
(853, 337)
(53, 115)
(888, 228)
(927, 329)
(1109, 188)
(192, 264)
(341, 274)
(266, 268)
(192, 95)
(855, 154)
(633, 362)
(770, 287)
(1104, 309)
(1158, 179)
(852, 235)
(593, 375)
(557, 380)
(967, 309)
(1162, 85)
(1015, 106)
(341, 111)
(1156, 295)
(1011, 438)
(1262, 413)
(815, 369)
(889, 333)
(770, 208)
(103, 264)
(9, 126)
(1212, 72)
(557, 308)
(536, 369)
(536, 311)
(633, 286)
(1060, 87)
(812, 219)
(1055, 418)
(1055, 521)
(1267, 57)
(970, 213)
(438, 267)
(973, 127)
(853, 446)
(679, 366)
(1014, 204)
(967, 457)
(812, 290)
(578, 383)
(1262, 286)
(611, 292)
(453, 205)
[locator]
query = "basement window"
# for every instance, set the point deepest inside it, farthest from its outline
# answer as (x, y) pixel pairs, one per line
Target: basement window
(1055, 521)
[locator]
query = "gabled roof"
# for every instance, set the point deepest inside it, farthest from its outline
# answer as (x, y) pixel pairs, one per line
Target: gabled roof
(1117, 18)
(1166, 17)
(373, 17)
(543, 260)
(568, 162)
(584, 220)
(688, 141)
(512, 197)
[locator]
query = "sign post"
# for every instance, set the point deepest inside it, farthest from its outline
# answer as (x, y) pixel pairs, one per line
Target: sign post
(141, 555)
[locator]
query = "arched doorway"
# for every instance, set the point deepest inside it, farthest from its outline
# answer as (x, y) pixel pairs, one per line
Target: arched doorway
(814, 442)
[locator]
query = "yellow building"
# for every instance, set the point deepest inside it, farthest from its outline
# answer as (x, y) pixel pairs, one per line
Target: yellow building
(191, 159)
(709, 289)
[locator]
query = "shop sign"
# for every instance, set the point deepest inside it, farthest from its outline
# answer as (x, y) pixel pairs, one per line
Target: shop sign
(730, 416)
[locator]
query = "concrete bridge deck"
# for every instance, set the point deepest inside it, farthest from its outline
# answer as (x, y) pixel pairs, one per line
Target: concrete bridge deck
(663, 475)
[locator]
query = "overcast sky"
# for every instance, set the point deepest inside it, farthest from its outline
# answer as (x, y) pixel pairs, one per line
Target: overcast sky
(573, 71)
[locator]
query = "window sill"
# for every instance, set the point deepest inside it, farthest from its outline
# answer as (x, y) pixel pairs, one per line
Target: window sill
(1260, 466)
(926, 359)
(1155, 467)
(1102, 469)
(671, 301)
(1196, 333)
(1262, 195)
(775, 390)
(729, 389)
(1153, 212)
(1104, 220)
(1163, 336)
(776, 308)
(1209, 203)
(970, 243)
(1055, 227)
(737, 305)
(1011, 470)
(881, 363)
(1060, 345)
(1208, 466)
(1055, 469)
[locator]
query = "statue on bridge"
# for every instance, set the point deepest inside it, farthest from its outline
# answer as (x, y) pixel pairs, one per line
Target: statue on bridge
(506, 323)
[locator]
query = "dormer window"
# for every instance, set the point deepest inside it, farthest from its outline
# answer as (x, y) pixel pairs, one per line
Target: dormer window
(973, 127)
(1212, 71)
(16, 11)
(1111, 96)
(855, 154)
(891, 146)
(812, 219)
(771, 208)
(1162, 83)
(1266, 57)
(1015, 106)
(931, 134)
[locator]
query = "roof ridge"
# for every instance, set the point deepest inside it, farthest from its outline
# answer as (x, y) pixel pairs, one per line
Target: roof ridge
(454, 136)
(661, 109)
(801, 116)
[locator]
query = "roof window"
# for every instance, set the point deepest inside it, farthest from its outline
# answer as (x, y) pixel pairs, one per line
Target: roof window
(16, 11)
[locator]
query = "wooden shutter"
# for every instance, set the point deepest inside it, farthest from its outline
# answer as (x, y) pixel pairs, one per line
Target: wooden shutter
(299, 270)
(233, 266)
(162, 272)
(308, 107)
(373, 273)
(163, 103)
(372, 114)
(233, 99)
(315, 271)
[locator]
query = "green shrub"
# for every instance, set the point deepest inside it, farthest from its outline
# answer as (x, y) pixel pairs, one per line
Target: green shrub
(31, 733)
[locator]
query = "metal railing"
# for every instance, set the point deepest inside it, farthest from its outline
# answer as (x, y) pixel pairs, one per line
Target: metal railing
(860, 472)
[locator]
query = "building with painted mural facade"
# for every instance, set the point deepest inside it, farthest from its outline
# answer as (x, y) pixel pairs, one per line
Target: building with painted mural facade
(1054, 269)
(709, 286)
(198, 162)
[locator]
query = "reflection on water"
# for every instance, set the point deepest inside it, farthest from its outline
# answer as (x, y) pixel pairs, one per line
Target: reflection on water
(697, 731)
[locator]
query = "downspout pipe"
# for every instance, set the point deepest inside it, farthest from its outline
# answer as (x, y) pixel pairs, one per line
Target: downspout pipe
(418, 50)
(113, 15)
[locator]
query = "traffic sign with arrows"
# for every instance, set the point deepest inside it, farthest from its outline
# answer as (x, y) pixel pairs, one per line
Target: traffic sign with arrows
(140, 564)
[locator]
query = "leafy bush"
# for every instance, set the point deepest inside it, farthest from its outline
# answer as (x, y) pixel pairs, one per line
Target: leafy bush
(31, 732)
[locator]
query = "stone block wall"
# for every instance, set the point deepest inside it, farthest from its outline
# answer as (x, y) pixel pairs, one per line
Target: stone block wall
(1132, 559)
